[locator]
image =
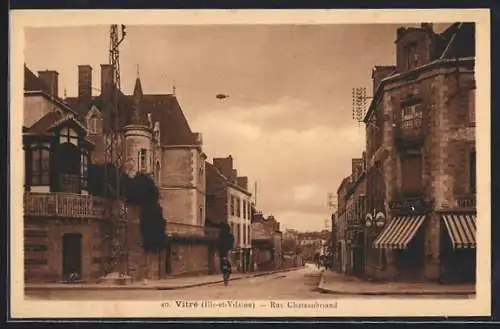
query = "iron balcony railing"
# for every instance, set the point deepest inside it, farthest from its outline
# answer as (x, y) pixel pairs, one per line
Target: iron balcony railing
(410, 129)
(65, 205)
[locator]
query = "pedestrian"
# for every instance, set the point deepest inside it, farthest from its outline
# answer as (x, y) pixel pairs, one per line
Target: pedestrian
(225, 243)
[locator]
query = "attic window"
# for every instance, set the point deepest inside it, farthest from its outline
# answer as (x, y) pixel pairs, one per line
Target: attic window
(412, 57)
(93, 125)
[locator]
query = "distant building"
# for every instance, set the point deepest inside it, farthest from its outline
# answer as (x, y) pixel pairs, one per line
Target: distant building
(229, 201)
(266, 242)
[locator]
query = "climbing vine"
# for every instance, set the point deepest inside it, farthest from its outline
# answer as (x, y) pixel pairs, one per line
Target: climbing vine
(139, 190)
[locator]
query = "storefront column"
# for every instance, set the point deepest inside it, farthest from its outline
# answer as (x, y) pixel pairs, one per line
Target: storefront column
(432, 247)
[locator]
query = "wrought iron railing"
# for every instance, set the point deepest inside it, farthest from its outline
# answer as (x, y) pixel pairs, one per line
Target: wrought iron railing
(410, 128)
(69, 183)
(65, 205)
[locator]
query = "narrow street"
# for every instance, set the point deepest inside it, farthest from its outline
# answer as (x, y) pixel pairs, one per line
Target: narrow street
(299, 284)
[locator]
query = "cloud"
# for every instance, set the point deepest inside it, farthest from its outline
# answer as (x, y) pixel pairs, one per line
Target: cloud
(295, 169)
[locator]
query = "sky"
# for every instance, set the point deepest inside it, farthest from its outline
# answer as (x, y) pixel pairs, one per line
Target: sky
(287, 122)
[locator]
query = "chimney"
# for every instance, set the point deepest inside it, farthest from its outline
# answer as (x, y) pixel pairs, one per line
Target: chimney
(106, 79)
(51, 80)
(243, 182)
(84, 83)
(379, 73)
(427, 26)
(225, 166)
(400, 31)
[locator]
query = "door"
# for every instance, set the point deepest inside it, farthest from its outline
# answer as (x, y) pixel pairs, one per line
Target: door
(72, 254)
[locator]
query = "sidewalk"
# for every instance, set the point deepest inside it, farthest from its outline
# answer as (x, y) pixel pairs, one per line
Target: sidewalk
(337, 283)
(165, 284)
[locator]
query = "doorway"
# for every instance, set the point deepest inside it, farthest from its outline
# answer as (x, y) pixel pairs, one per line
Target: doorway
(72, 254)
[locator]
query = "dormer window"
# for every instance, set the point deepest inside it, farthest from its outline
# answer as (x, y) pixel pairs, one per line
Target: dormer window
(93, 125)
(412, 57)
(68, 135)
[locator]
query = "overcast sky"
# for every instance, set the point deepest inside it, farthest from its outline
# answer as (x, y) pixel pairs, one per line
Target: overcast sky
(288, 121)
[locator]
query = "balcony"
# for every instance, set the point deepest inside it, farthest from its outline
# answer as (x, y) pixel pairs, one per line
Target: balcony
(65, 205)
(410, 131)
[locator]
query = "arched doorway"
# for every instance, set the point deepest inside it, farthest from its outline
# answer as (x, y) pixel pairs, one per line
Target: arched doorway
(72, 254)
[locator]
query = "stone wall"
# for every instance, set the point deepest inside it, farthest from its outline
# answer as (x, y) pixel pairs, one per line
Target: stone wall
(189, 259)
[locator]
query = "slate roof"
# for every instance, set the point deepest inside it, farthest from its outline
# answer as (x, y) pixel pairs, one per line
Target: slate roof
(164, 108)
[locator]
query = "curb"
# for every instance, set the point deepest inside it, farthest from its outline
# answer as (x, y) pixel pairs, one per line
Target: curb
(395, 293)
(389, 293)
(153, 287)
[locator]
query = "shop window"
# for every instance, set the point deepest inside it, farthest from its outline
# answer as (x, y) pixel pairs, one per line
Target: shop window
(411, 174)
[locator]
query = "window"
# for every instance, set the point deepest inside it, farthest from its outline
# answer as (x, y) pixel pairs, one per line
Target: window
(238, 207)
(142, 160)
(84, 167)
(40, 165)
(411, 56)
(472, 171)
(249, 239)
(411, 174)
(244, 209)
(233, 200)
(201, 216)
(68, 135)
(93, 125)
(472, 105)
(244, 234)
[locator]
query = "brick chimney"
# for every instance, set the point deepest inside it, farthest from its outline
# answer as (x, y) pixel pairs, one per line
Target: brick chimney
(225, 166)
(106, 79)
(243, 182)
(379, 73)
(427, 26)
(84, 83)
(51, 79)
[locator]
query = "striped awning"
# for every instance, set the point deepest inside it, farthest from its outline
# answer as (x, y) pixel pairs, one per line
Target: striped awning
(462, 229)
(399, 232)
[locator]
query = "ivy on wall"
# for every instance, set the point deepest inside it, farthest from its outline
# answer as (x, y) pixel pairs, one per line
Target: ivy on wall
(139, 190)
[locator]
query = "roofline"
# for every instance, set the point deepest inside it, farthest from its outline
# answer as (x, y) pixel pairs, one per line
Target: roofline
(397, 76)
(51, 98)
(198, 146)
(239, 188)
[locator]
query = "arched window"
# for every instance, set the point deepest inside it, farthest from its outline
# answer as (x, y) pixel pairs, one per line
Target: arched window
(40, 164)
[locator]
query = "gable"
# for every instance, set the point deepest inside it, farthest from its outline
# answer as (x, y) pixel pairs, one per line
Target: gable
(94, 111)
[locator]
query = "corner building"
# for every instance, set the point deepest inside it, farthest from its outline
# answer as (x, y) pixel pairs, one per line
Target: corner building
(421, 159)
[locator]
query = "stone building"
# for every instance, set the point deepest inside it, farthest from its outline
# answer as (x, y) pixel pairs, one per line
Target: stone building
(355, 203)
(421, 158)
(64, 226)
(341, 226)
(266, 242)
(161, 143)
(229, 201)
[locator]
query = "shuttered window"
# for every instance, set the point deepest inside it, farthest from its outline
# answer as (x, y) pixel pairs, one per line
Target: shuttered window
(411, 170)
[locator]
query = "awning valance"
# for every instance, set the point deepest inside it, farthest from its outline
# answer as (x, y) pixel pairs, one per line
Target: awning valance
(461, 229)
(399, 232)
